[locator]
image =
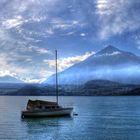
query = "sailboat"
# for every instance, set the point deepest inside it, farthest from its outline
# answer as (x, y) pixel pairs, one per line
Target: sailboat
(40, 108)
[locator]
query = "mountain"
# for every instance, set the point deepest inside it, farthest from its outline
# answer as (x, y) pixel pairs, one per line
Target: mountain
(29, 89)
(90, 88)
(109, 64)
(9, 79)
(34, 90)
(9, 84)
(107, 88)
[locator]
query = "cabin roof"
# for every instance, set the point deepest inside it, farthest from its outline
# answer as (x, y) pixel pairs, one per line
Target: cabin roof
(40, 102)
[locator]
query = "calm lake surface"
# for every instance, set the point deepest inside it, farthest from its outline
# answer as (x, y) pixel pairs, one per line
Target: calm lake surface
(99, 118)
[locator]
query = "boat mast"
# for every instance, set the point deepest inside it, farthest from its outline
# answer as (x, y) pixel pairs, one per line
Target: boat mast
(56, 77)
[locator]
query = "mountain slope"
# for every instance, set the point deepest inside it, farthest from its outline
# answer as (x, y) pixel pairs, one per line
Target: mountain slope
(110, 64)
(9, 79)
(106, 87)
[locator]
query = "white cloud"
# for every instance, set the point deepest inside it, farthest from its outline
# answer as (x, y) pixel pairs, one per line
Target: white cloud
(138, 44)
(32, 80)
(23, 61)
(114, 17)
(39, 50)
(13, 22)
(111, 54)
(65, 63)
(24, 24)
(82, 34)
(70, 33)
(65, 24)
(136, 38)
(50, 31)
(103, 8)
(6, 72)
(21, 26)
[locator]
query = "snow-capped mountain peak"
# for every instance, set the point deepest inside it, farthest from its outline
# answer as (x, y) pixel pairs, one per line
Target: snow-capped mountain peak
(109, 51)
(110, 64)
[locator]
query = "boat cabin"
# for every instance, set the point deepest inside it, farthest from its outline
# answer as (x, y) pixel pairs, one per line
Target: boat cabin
(41, 105)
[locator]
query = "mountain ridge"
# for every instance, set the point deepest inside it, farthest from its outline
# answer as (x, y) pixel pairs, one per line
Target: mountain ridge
(109, 63)
(90, 88)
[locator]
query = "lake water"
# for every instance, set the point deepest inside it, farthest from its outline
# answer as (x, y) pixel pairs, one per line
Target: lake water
(99, 118)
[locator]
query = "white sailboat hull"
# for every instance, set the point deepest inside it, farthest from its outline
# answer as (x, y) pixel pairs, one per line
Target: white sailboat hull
(48, 113)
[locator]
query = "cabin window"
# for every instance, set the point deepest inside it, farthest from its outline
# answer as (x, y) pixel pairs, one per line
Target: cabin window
(40, 107)
(46, 107)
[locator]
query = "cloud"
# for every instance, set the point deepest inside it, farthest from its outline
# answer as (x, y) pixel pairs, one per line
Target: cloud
(23, 61)
(111, 54)
(115, 18)
(65, 24)
(23, 25)
(65, 63)
(6, 72)
(20, 55)
(28, 26)
(82, 34)
(13, 22)
(138, 42)
(50, 18)
(136, 39)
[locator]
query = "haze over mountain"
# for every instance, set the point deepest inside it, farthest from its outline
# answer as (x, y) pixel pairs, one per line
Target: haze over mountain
(9, 79)
(110, 64)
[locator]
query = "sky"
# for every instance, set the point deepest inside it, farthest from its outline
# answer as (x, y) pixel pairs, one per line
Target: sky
(31, 30)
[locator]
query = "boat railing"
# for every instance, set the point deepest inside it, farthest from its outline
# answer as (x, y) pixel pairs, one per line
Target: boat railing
(63, 105)
(66, 105)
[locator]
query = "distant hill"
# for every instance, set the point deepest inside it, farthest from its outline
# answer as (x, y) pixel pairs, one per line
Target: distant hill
(90, 88)
(101, 83)
(107, 88)
(135, 91)
(34, 90)
(9, 79)
(109, 64)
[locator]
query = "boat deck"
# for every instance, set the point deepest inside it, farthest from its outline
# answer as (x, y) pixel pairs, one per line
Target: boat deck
(47, 112)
